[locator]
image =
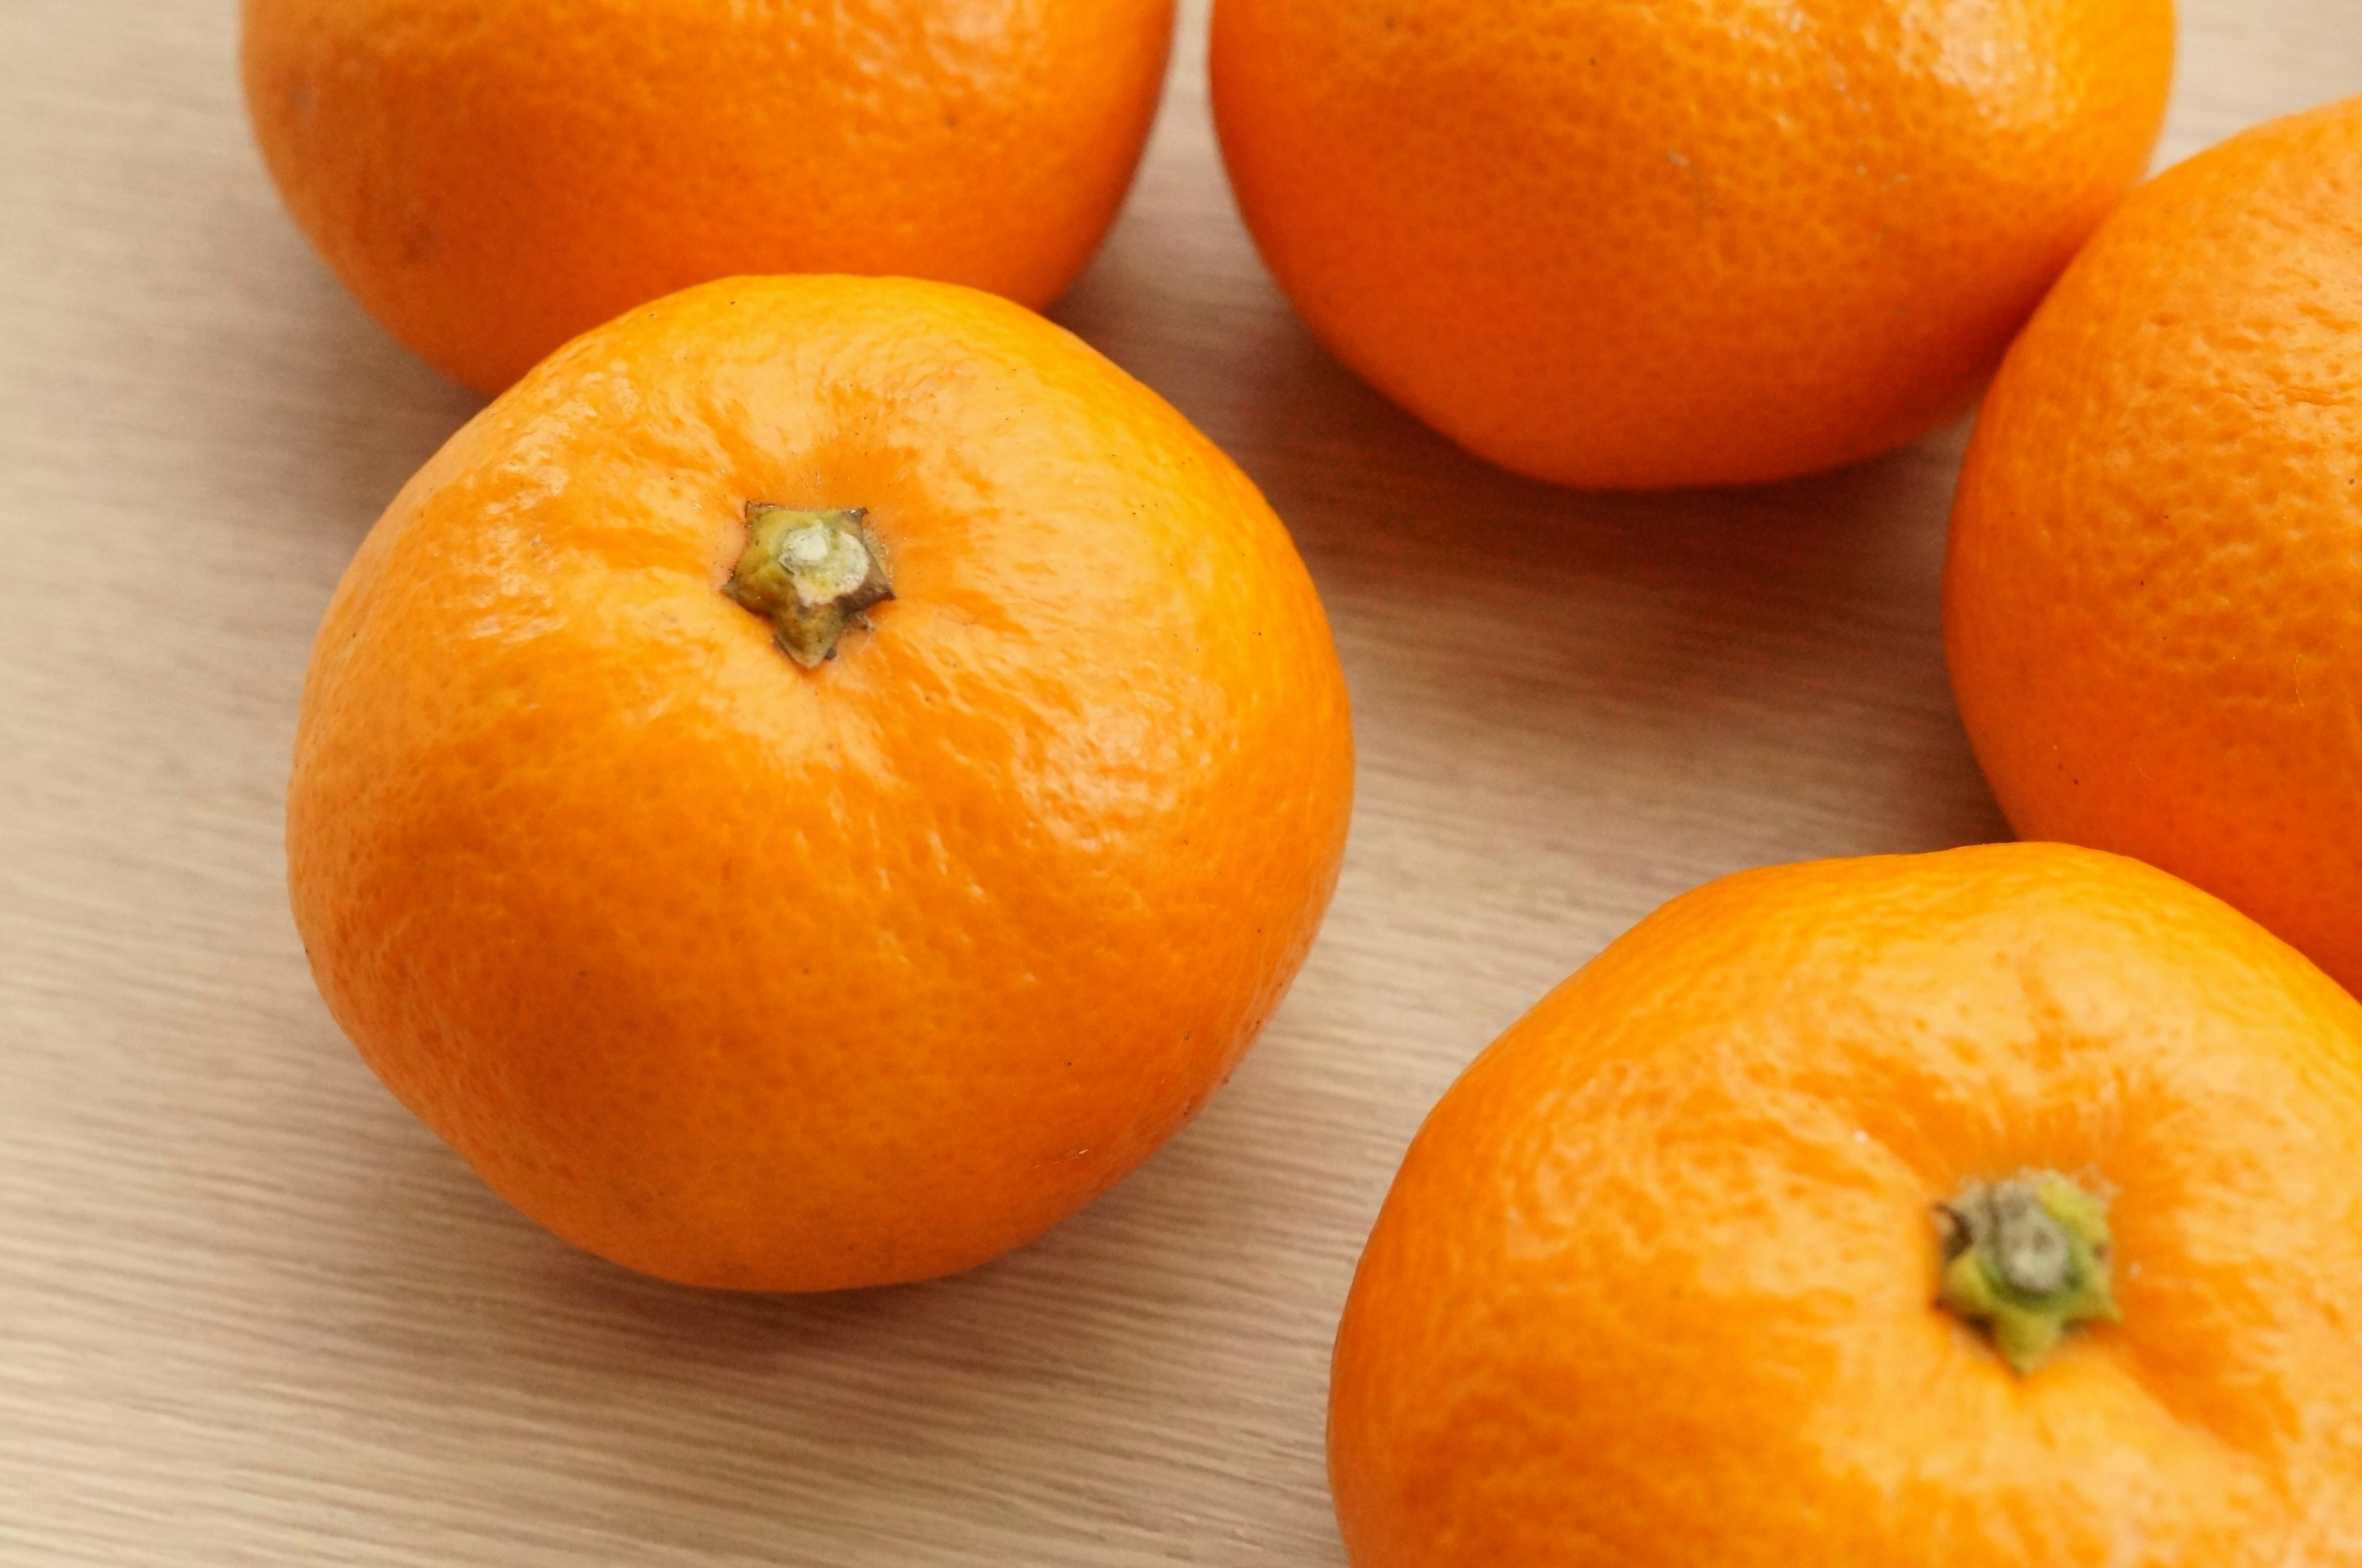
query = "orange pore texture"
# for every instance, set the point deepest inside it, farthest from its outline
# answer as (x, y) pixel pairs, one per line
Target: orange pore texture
(2153, 604)
(1689, 242)
(1654, 1284)
(491, 180)
(746, 974)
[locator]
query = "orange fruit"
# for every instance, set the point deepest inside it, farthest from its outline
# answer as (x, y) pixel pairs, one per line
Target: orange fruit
(491, 180)
(1999, 1206)
(1690, 242)
(765, 968)
(2153, 603)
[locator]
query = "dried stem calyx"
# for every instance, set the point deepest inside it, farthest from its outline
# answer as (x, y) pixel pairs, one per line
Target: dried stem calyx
(2025, 1260)
(810, 574)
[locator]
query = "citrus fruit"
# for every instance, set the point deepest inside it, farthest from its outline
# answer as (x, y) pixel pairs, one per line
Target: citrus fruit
(491, 180)
(2153, 603)
(815, 782)
(1690, 242)
(1931, 1211)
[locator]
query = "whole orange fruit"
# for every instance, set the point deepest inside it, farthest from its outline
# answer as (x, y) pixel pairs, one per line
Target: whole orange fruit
(491, 180)
(816, 782)
(1688, 242)
(2153, 603)
(2000, 1206)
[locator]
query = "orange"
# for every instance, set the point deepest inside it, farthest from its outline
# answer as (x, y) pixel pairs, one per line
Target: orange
(1686, 242)
(768, 968)
(492, 179)
(2153, 604)
(1658, 1281)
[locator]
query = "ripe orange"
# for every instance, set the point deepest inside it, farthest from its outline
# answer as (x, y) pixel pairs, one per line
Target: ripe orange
(1689, 242)
(746, 966)
(1657, 1282)
(493, 179)
(2153, 605)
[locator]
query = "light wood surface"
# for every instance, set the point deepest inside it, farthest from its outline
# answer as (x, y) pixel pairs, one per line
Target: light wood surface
(250, 1313)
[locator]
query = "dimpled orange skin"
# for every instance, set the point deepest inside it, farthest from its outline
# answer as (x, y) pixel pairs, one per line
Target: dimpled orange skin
(1685, 243)
(490, 180)
(746, 974)
(1654, 1284)
(2153, 601)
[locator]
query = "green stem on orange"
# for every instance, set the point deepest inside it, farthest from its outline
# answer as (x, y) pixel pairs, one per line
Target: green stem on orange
(810, 574)
(2025, 1260)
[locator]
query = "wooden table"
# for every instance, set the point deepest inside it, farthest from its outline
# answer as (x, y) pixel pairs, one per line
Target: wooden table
(250, 1313)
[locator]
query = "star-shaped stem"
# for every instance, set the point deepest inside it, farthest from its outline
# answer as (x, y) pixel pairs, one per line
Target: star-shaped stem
(2025, 1260)
(810, 574)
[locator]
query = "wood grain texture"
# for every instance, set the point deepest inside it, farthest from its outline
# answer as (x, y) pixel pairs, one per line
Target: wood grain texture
(252, 1314)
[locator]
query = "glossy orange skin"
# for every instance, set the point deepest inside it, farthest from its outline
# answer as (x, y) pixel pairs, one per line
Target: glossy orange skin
(1688, 242)
(2153, 603)
(491, 180)
(746, 974)
(1654, 1284)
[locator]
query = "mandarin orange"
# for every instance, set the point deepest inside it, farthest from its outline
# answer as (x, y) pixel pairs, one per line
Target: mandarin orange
(1997, 1206)
(1690, 242)
(2153, 601)
(490, 180)
(816, 782)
